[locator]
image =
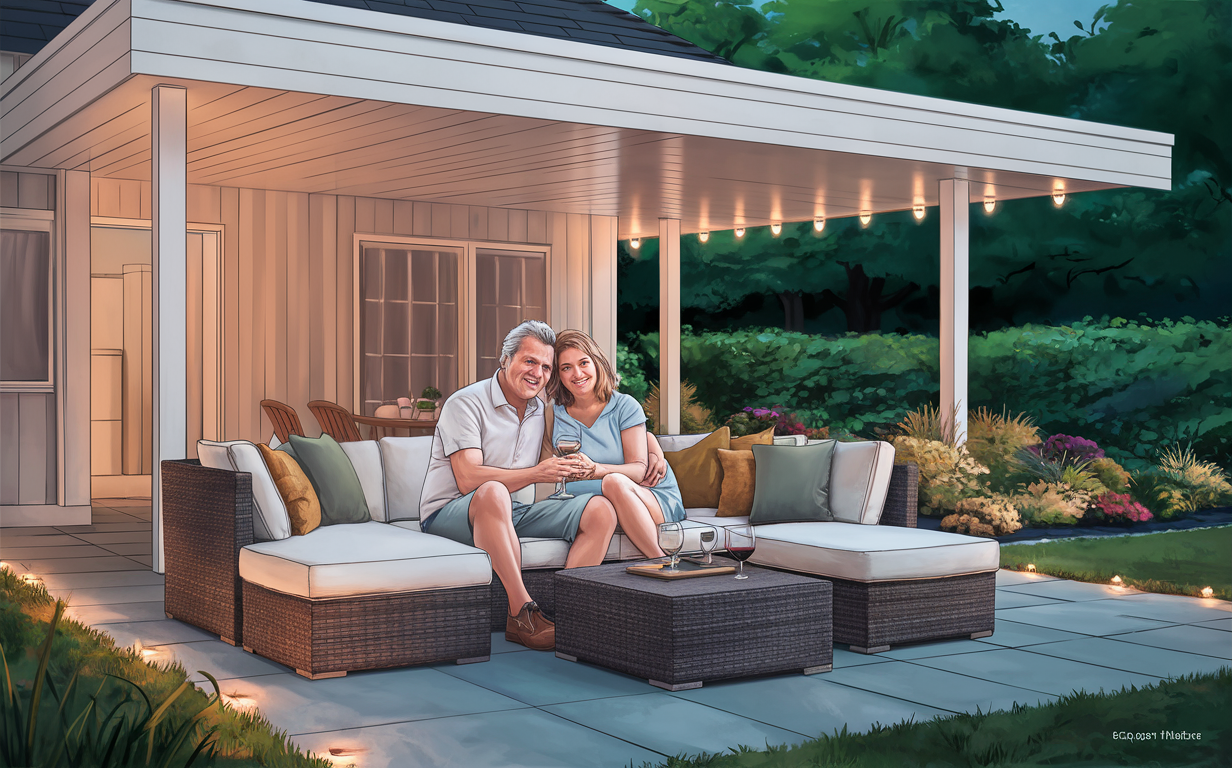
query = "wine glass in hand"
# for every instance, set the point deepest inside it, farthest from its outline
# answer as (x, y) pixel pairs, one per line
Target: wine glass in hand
(671, 541)
(568, 442)
(741, 540)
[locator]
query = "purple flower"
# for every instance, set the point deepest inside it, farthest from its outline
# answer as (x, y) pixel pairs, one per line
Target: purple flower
(1068, 449)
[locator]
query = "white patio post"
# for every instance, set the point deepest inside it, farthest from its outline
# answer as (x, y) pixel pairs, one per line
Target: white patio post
(169, 156)
(955, 295)
(669, 326)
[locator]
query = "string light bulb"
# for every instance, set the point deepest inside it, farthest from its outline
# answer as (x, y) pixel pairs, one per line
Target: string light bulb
(865, 217)
(703, 236)
(636, 242)
(739, 231)
(917, 211)
(990, 204)
(776, 228)
(819, 224)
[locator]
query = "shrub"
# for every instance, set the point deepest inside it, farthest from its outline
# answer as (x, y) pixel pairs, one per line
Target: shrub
(1058, 470)
(1110, 474)
(1119, 508)
(926, 423)
(1068, 449)
(947, 474)
(629, 368)
(751, 420)
(992, 515)
(1159, 494)
(1201, 483)
(994, 439)
(1045, 503)
(694, 418)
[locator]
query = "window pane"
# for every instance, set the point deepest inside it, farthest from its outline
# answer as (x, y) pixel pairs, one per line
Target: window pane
(397, 325)
(423, 329)
(396, 288)
(372, 273)
(447, 274)
(423, 275)
(395, 384)
(24, 310)
(515, 281)
(485, 279)
(510, 281)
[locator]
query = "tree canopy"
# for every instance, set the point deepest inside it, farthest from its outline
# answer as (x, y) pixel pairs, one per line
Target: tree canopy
(1158, 66)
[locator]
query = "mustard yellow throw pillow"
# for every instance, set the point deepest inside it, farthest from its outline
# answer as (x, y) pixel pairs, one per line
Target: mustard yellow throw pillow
(697, 469)
(739, 481)
(747, 442)
(303, 506)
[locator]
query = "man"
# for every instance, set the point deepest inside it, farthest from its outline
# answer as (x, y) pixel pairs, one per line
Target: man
(479, 488)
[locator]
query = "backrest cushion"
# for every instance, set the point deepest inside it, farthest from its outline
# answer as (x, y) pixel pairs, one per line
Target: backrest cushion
(270, 521)
(739, 476)
(698, 471)
(303, 506)
(405, 463)
(859, 481)
(365, 456)
(746, 442)
(679, 442)
(333, 478)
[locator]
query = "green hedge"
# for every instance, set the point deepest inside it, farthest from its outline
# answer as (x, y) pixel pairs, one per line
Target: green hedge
(1131, 386)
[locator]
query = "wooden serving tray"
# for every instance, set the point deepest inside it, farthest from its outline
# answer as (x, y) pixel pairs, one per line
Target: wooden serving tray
(685, 570)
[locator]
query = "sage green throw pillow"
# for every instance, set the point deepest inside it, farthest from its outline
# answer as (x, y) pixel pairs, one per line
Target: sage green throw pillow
(793, 483)
(333, 478)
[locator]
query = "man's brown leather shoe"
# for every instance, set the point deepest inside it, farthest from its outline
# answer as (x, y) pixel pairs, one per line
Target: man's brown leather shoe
(531, 629)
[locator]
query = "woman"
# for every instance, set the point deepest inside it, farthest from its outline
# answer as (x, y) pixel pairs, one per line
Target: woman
(613, 431)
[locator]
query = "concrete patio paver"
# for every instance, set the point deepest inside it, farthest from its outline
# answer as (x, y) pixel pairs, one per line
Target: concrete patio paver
(117, 613)
(673, 726)
(1091, 617)
(1012, 578)
(70, 581)
(1056, 676)
(538, 678)
(521, 738)
(810, 705)
(1224, 624)
(1070, 590)
(1189, 639)
(1013, 634)
(111, 595)
(1130, 657)
(916, 682)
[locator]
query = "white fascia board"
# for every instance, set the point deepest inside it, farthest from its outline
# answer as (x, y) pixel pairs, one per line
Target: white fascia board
(304, 46)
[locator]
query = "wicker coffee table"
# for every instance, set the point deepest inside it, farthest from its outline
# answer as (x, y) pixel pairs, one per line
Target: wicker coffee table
(680, 634)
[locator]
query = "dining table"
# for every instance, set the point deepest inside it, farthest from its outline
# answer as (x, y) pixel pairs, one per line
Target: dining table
(388, 427)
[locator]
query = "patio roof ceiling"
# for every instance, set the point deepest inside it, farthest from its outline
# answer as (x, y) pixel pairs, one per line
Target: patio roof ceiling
(299, 96)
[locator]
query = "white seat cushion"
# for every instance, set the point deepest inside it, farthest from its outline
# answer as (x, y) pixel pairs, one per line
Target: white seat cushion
(405, 464)
(859, 480)
(870, 553)
(365, 456)
(549, 553)
(270, 521)
(363, 559)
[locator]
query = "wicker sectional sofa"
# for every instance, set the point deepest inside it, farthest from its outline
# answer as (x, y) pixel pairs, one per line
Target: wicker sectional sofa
(382, 593)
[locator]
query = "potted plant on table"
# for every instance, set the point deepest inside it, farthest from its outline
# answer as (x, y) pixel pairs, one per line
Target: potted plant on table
(428, 402)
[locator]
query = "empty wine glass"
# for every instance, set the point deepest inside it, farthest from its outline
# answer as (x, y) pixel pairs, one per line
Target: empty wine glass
(671, 541)
(568, 442)
(710, 540)
(741, 540)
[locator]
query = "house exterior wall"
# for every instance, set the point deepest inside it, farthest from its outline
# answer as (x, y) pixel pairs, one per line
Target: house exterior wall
(288, 292)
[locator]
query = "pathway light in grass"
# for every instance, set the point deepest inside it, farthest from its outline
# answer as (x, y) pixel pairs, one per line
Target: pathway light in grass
(1117, 581)
(1030, 567)
(1208, 592)
(239, 700)
(345, 756)
(32, 579)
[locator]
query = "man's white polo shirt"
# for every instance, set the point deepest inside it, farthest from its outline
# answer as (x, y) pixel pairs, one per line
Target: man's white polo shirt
(479, 416)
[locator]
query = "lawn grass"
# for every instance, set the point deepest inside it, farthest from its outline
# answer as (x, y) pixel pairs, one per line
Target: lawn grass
(89, 660)
(1081, 728)
(1172, 562)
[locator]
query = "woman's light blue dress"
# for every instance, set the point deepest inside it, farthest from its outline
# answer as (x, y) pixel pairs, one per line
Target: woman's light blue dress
(603, 445)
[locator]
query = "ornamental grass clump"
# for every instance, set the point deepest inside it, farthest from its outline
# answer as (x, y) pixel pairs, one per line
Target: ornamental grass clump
(993, 515)
(1202, 483)
(948, 474)
(994, 439)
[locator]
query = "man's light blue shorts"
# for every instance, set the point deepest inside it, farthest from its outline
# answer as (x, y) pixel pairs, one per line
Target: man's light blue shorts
(547, 519)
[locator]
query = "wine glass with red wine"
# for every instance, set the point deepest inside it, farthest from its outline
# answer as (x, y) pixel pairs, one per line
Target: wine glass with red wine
(741, 540)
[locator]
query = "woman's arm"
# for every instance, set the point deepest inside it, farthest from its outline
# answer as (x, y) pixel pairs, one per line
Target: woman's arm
(633, 443)
(656, 463)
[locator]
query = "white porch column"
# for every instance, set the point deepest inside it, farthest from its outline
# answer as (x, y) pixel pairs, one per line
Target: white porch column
(955, 295)
(669, 326)
(169, 155)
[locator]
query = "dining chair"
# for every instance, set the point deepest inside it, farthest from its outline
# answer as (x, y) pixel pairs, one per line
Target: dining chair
(284, 418)
(335, 421)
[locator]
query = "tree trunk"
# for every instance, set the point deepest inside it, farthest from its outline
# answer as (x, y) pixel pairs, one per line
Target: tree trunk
(864, 303)
(793, 310)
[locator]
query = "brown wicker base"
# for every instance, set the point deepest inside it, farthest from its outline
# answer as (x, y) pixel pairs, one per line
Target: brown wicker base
(873, 617)
(538, 584)
(319, 637)
(207, 519)
(679, 634)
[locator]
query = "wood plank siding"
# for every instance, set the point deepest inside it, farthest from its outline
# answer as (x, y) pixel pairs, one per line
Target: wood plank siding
(287, 276)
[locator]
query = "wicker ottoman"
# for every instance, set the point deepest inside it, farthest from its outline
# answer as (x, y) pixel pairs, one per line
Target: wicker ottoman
(680, 634)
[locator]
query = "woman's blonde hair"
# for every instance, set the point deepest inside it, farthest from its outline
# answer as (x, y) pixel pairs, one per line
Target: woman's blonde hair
(606, 378)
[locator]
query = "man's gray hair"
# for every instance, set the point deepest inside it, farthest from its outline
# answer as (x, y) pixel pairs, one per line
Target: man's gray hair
(535, 329)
